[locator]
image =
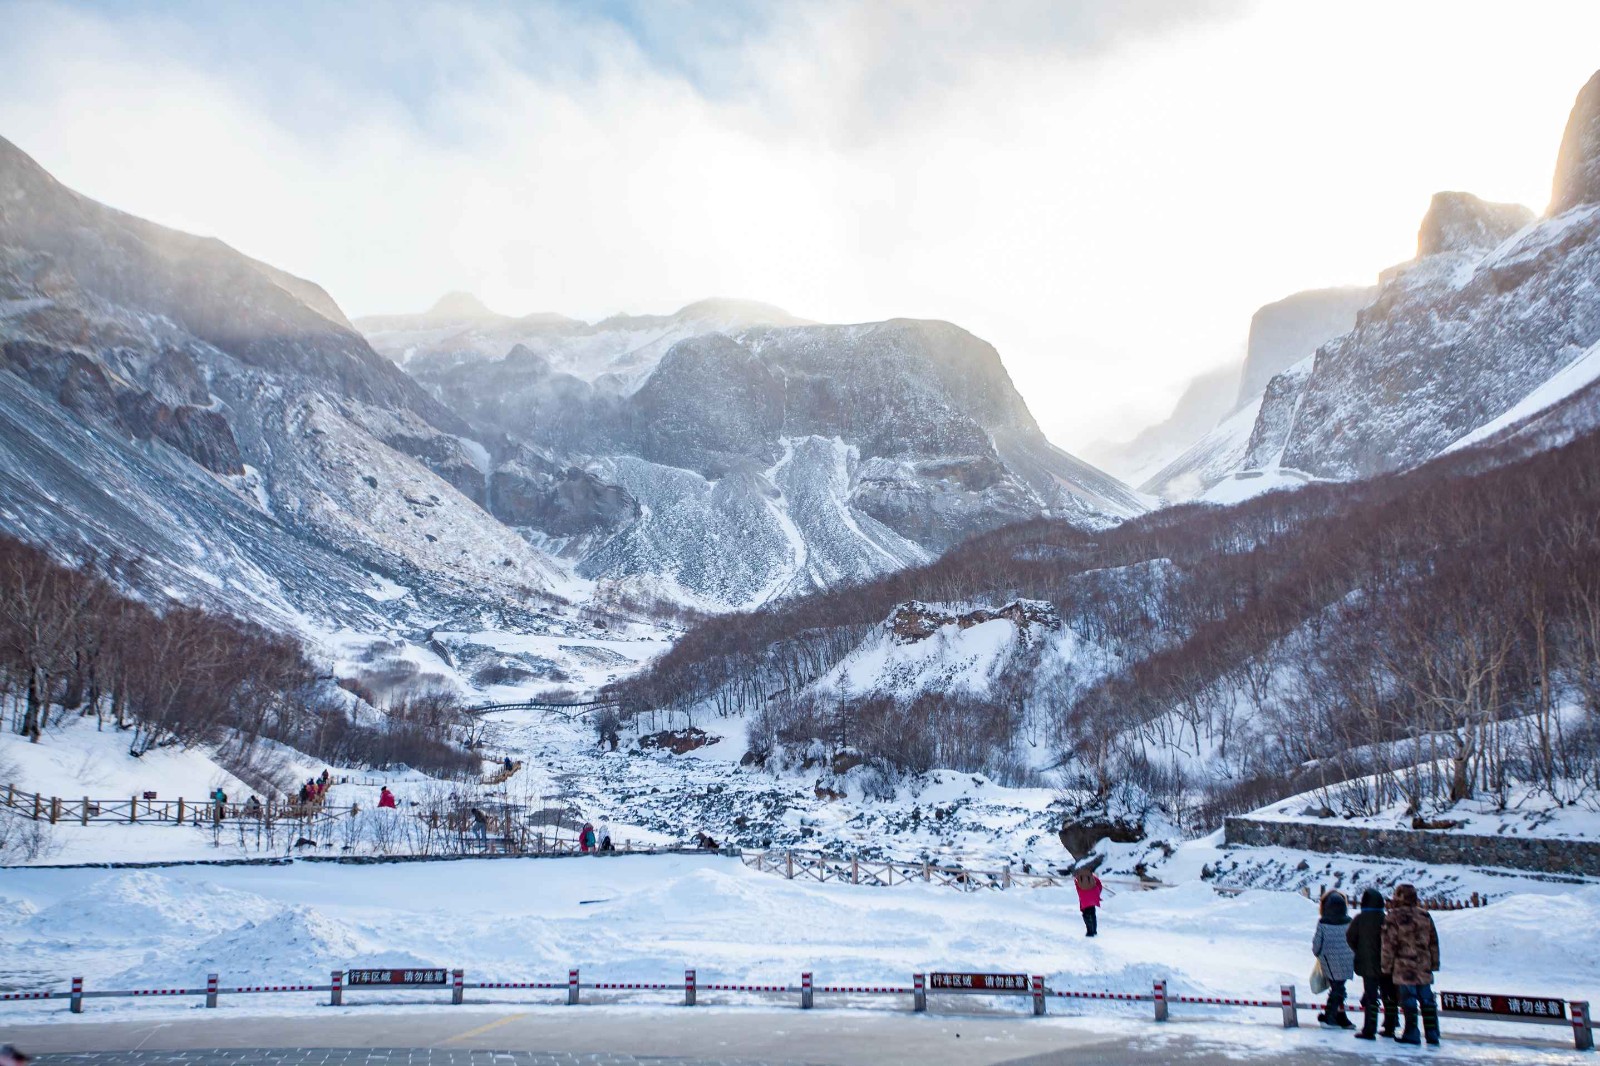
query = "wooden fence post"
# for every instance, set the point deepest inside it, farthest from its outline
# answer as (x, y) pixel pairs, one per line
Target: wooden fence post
(55, 809)
(36, 806)
(180, 811)
(790, 873)
(133, 810)
(85, 815)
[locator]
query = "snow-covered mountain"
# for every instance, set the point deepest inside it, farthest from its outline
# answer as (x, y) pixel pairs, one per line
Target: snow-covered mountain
(724, 455)
(621, 350)
(1166, 459)
(168, 400)
(1480, 333)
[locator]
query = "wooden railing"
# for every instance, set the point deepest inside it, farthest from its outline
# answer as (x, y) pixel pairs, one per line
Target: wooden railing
(135, 809)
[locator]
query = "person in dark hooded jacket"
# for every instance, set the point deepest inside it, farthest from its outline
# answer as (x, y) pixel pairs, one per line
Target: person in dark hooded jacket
(1365, 937)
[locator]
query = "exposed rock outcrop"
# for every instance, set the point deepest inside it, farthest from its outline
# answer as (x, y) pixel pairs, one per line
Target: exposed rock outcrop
(1577, 179)
(1460, 222)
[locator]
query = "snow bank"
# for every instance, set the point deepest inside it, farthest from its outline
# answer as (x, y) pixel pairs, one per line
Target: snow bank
(648, 918)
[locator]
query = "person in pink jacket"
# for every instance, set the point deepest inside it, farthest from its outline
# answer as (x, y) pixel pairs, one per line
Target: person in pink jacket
(1089, 887)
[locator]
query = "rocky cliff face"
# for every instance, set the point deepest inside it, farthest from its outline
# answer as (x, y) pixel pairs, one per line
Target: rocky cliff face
(1460, 222)
(1496, 307)
(166, 399)
(1286, 331)
(759, 459)
(1577, 180)
(1452, 341)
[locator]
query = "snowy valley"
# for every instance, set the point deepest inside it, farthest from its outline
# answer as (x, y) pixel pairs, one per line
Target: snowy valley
(321, 641)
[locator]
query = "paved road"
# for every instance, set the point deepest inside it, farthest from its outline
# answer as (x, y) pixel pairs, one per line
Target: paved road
(674, 1037)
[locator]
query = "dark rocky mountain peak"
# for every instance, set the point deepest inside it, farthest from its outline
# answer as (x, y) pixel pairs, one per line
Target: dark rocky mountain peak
(1461, 222)
(1577, 178)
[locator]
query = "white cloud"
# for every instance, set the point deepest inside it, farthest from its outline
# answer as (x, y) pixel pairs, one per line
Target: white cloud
(1107, 199)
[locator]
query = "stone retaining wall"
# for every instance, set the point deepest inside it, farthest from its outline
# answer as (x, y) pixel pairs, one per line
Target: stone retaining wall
(1540, 854)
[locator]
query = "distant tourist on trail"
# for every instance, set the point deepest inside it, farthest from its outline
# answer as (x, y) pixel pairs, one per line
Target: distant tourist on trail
(252, 807)
(220, 798)
(385, 798)
(586, 838)
(1337, 958)
(1365, 937)
(1411, 955)
(510, 766)
(1089, 889)
(480, 826)
(603, 835)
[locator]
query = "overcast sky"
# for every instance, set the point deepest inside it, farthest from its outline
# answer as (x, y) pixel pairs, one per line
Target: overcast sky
(1106, 191)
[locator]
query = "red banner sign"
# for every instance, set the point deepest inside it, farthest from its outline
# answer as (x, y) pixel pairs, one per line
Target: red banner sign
(425, 976)
(1511, 1006)
(977, 982)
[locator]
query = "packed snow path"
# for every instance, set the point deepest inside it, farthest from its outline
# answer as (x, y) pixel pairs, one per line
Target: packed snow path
(708, 1036)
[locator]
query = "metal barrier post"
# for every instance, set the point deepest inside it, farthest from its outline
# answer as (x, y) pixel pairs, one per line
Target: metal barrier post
(77, 995)
(1161, 1001)
(572, 988)
(1038, 995)
(919, 992)
(457, 985)
(805, 991)
(336, 994)
(211, 990)
(1582, 1026)
(1291, 1015)
(688, 988)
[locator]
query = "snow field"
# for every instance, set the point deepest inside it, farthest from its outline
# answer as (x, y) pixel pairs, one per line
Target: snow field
(647, 918)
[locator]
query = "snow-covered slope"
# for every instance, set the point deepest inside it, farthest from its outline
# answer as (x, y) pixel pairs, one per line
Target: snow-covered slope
(167, 401)
(754, 460)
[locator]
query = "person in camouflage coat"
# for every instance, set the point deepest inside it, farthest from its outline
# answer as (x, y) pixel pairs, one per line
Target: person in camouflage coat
(1410, 956)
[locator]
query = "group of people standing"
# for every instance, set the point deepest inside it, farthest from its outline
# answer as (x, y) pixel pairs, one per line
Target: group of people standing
(591, 839)
(1394, 948)
(315, 790)
(1391, 945)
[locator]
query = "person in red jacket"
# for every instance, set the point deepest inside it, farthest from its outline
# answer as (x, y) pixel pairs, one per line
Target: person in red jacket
(1089, 887)
(385, 797)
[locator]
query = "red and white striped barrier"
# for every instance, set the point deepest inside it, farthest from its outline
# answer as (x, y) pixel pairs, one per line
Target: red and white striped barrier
(1036, 990)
